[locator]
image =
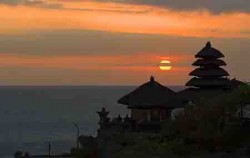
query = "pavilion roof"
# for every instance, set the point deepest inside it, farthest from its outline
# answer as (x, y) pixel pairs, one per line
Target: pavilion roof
(209, 62)
(194, 94)
(236, 83)
(209, 82)
(149, 95)
(209, 52)
(204, 72)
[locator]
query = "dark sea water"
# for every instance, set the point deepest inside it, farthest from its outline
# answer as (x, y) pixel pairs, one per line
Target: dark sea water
(31, 117)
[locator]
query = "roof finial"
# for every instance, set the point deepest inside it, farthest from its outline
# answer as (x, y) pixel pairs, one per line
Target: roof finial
(209, 44)
(152, 79)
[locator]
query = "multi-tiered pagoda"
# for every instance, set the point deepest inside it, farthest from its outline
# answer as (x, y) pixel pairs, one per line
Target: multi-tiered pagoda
(209, 73)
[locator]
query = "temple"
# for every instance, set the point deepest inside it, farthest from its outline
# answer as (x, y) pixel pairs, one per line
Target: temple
(209, 73)
(209, 79)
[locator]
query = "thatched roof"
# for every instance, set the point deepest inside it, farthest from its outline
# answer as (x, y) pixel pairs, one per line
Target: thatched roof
(236, 83)
(209, 62)
(194, 94)
(209, 52)
(209, 82)
(204, 72)
(149, 95)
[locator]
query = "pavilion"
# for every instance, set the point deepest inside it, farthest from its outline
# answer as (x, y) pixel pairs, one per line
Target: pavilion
(150, 101)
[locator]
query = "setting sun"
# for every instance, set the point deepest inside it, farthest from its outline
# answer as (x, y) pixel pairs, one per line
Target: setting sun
(165, 65)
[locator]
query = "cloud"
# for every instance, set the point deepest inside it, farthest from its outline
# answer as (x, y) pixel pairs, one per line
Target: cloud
(214, 6)
(34, 3)
(100, 42)
(25, 19)
(11, 2)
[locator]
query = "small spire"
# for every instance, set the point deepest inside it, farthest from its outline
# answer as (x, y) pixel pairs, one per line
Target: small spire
(209, 45)
(152, 79)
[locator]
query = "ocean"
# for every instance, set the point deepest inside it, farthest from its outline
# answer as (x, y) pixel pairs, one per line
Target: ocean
(33, 117)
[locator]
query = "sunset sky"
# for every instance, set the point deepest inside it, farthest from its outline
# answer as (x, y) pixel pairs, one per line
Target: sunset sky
(118, 42)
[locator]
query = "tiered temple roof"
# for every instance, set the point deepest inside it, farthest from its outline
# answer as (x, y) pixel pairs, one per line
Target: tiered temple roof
(202, 62)
(209, 73)
(210, 80)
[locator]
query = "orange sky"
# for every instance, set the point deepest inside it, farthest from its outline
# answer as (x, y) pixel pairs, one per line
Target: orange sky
(131, 65)
(123, 18)
(22, 23)
(134, 62)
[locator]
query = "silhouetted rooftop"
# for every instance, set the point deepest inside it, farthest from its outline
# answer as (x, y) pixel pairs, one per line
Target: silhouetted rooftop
(204, 72)
(209, 62)
(194, 94)
(209, 82)
(209, 52)
(236, 83)
(149, 95)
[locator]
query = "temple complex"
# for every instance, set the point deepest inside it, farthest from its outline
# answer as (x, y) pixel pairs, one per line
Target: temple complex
(155, 102)
(152, 102)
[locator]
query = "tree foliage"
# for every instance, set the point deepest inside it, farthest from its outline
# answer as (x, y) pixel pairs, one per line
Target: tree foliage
(212, 124)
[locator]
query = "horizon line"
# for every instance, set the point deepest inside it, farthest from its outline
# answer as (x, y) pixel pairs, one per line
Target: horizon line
(54, 85)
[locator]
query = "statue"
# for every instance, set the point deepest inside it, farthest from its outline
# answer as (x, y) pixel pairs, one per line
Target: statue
(104, 120)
